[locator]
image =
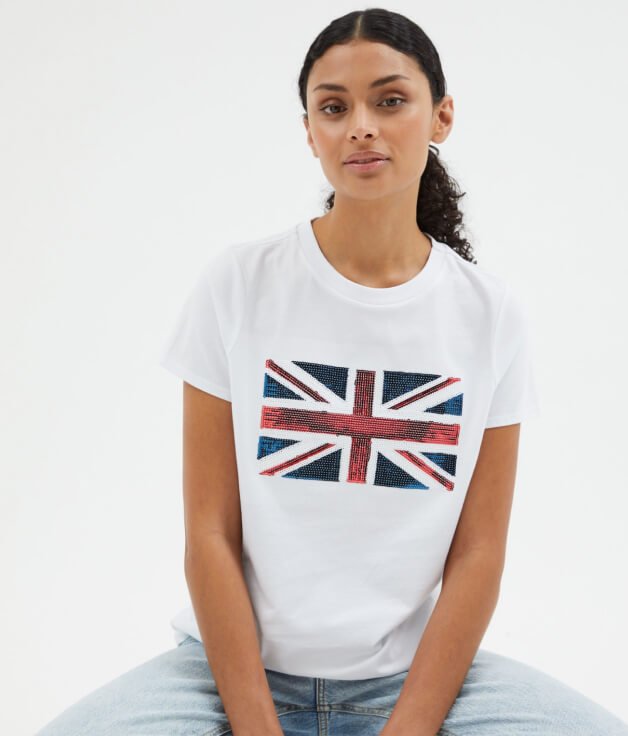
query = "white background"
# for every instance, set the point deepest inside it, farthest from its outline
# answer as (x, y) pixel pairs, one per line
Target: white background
(137, 136)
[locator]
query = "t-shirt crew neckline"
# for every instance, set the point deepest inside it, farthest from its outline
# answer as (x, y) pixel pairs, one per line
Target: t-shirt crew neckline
(417, 286)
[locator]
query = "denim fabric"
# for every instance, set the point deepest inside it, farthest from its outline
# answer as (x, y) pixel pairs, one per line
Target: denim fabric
(174, 694)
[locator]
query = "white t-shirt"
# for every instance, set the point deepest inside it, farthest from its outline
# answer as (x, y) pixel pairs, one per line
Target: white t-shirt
(358, 415)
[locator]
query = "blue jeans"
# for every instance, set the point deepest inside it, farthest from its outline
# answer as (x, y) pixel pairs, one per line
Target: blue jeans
(174, 694)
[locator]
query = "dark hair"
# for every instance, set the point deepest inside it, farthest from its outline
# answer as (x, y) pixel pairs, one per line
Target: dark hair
(437, 205)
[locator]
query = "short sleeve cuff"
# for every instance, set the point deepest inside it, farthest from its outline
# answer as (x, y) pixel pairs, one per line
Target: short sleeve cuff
(201, 382)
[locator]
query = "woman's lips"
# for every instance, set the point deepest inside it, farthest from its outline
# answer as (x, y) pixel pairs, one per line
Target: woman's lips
(373, 165)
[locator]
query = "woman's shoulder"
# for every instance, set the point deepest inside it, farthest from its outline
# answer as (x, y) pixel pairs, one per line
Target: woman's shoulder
(265, 243)
(480, 279)
(253, 254)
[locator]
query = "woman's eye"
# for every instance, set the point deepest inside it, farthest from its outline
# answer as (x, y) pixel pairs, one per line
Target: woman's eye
(393, 98)
(330, 105)
(400, 99)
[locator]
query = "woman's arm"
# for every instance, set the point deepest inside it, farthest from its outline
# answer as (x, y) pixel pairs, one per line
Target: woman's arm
(213, 565)
(469, 593)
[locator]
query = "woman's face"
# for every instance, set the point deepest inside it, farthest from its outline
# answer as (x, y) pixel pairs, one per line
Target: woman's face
(395, 118)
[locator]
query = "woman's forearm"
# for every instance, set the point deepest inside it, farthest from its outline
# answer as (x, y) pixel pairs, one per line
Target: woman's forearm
(225, 618)
(449, 643)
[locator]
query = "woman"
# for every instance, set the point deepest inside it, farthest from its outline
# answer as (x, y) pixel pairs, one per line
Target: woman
(353, 393)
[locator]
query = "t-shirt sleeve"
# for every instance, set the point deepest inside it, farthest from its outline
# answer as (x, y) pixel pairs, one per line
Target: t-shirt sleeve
(197, 348)
(515, 395)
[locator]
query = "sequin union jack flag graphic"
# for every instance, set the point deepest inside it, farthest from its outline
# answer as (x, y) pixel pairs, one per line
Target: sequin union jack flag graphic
(379, 427)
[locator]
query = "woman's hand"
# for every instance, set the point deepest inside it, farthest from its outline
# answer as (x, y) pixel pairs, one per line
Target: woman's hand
(391, 730)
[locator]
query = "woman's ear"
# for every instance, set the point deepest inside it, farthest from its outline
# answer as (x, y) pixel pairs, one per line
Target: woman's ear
(310, 140)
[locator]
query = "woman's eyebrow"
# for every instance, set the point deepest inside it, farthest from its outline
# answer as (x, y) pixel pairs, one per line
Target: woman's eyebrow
(376, 83)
